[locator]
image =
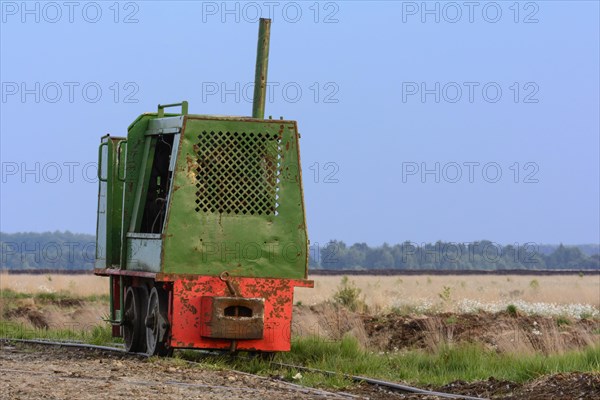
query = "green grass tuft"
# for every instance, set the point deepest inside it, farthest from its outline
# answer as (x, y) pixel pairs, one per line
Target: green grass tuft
(99, 335)
(11, 294)
(512, 310)
(467, 362)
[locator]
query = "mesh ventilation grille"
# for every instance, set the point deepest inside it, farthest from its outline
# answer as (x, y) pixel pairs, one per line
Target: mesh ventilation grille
(238, 173)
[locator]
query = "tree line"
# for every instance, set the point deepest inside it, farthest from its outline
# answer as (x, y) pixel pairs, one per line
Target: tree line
(76, 251)
(47, 250)
(482, 255)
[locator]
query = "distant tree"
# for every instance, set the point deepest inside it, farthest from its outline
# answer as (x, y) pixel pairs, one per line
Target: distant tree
(47, 250)
(380, 258)
(355, 257)
(565, 257)
(66, 250)
(333, 255)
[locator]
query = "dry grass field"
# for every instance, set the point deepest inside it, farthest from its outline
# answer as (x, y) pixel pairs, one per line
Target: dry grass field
(428, 330)
(572, 293)
(385, 290)
(380, 293)
(76, 285)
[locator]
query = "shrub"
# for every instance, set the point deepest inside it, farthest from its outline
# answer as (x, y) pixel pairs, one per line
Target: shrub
(348, 295)
(534, 284)
(445, 294)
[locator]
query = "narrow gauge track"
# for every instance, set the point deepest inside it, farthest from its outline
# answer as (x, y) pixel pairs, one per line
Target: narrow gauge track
(371, 381)
(145, 383)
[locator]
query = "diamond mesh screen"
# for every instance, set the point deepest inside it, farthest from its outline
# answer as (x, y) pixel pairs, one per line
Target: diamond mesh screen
(238, 173)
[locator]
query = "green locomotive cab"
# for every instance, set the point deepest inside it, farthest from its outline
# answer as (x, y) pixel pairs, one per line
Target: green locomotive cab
(201, 227)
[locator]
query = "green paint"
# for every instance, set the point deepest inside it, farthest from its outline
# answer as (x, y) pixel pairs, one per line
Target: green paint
(108, 238)
(237, 229)
(209, 243)
(142, 183)
(143, 253)
(233, 202)
(262, 65)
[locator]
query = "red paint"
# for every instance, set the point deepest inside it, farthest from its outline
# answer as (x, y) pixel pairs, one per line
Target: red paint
(186, 318)
(185, 308)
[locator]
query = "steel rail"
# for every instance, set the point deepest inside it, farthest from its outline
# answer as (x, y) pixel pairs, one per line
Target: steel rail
(72, 344)
(61, 343)
(378, 382)
(355, 378)
(375, 382)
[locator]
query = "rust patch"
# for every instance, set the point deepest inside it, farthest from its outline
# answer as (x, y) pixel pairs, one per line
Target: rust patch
(191, 168)
(189, 312)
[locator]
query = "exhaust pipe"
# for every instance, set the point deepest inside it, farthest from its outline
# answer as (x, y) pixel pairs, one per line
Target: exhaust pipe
(262, 65)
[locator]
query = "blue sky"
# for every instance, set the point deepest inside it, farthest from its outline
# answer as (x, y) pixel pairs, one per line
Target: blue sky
(453, 122)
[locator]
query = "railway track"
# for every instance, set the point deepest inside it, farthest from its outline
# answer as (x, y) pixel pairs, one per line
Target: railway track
(393, 386)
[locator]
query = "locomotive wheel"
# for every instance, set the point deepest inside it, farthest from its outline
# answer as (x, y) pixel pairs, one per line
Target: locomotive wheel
(132, 319)
(157, 323)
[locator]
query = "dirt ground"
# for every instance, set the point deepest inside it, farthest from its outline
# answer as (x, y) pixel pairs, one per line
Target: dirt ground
(36, 372)
(72, 314)
(502, 332)
(41, 372)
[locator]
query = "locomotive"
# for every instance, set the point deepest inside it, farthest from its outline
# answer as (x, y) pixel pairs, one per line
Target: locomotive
(201, 227)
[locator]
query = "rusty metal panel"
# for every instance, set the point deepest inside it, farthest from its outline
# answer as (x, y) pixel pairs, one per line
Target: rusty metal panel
(144, 252)
(237, 202)
(231, 317)
(188, 322)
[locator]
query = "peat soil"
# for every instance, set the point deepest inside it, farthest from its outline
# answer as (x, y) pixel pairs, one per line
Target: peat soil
(30, 371)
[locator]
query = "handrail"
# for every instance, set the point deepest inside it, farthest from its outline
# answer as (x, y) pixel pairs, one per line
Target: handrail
(183, 104)
(100, 162)
(119, 162)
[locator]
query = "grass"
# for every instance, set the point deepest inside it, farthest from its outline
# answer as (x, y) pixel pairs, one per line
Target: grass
(466, 362)
(386, 292)
(562, 320)
(98, 335)
(444, 364)
(378, 292)
(77, 285)
(348, 295)
(11, 294)
(62, 295)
